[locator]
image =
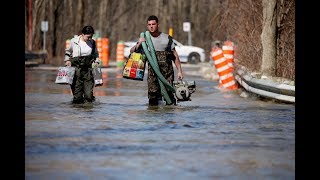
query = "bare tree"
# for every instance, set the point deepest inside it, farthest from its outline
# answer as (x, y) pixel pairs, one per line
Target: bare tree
(268, 37)
(240, 21)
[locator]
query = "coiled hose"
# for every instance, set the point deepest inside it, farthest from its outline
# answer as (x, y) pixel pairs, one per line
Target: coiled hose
(152, 58)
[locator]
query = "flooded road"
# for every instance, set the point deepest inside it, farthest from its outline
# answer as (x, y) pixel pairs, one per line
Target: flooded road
(217, 135)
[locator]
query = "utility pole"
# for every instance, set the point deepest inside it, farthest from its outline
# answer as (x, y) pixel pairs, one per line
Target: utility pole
(30, 25)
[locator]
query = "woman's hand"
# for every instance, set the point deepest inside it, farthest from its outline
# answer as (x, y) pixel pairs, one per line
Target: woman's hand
(95, 65)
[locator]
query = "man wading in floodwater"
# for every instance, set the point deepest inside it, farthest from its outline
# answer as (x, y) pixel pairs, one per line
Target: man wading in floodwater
(166, 53)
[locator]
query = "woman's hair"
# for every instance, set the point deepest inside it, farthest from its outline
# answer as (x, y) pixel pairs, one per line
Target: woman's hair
(87, 30)
(153, 17)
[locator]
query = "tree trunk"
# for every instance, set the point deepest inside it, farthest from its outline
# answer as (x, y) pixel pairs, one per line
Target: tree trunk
(268, 38)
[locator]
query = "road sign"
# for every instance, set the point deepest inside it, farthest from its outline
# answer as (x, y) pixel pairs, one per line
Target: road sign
(44, 26)
(186, 26)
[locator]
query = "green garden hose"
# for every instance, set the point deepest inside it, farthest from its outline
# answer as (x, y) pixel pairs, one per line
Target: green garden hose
(152, 58)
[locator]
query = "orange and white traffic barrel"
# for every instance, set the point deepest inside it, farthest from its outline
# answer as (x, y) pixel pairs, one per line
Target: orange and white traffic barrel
(228, 52)
(99, 47)
(67, 43)
(120, 54)
(105, 52)
(226, 78)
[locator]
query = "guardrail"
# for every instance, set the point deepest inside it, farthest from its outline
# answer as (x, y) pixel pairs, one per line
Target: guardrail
(266, 87)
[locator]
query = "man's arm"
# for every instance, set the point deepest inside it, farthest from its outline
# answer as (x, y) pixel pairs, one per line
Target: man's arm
(134, 48)
(178, 64)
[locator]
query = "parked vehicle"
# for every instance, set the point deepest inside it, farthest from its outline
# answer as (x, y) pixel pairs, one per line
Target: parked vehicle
(187, 54)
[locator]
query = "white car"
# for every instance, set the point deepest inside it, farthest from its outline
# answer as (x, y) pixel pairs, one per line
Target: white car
(187, 54)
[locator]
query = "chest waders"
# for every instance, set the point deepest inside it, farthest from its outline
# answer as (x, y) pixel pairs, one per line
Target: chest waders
(83, 81)
(165, 86)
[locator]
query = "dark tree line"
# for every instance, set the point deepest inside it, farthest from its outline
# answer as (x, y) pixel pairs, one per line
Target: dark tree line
(211, 20)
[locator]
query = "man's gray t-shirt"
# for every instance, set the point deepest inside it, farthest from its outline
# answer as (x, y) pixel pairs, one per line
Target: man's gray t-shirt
(161, 42)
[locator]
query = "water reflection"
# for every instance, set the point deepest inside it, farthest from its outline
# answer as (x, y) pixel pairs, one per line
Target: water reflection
(118, 82)
(217, 135)
(43, 81)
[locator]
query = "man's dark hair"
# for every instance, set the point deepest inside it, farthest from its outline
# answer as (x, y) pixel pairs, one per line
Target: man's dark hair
(87, 30)
(153, 17)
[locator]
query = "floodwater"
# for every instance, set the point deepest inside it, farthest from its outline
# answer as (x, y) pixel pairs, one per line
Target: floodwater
(217, 135)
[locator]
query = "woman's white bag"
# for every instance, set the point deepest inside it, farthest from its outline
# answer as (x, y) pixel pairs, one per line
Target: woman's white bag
(97, 76)
(65, 75)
